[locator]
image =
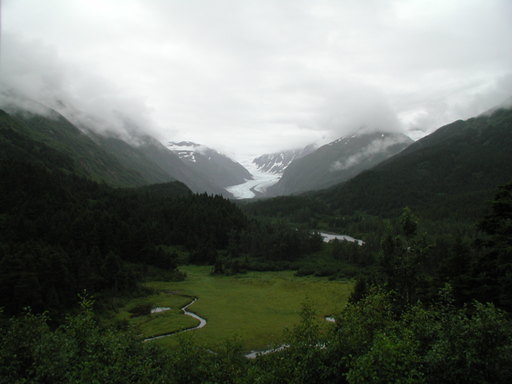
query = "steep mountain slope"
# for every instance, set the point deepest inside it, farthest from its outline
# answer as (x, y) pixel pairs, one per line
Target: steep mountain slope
(455, 170)
(89, 159)
(338, 161)
(166, 159)
(210, 164)
(156, 163)
(20, 151)
(277, 162)
(16, 147)
(109, 160)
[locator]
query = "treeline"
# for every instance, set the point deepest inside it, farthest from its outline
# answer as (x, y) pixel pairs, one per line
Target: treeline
(298, 209)
(413, 316)
(61, 234)
(417, 257)
(477, 268)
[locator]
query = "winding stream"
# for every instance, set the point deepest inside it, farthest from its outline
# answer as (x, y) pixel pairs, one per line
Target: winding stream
(202, 322)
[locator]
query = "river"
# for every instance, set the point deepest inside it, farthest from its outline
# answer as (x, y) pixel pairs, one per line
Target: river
(202, 322)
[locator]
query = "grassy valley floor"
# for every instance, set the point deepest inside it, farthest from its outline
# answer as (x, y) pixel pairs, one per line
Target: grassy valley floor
(254, 307)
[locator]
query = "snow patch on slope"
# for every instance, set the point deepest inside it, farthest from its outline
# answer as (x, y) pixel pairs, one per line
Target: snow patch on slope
(186, 150)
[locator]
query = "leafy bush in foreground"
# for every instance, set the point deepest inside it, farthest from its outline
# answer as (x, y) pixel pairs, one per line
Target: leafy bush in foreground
(373, 341)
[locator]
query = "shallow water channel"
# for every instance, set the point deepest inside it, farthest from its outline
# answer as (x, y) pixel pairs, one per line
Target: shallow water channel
(328, 236)
(255, 353)
(202, 322)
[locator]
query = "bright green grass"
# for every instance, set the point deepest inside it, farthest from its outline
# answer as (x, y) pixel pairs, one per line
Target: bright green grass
(254, 307)
(158, 323)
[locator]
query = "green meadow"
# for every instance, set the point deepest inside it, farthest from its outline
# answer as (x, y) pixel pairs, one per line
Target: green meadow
(255, 307)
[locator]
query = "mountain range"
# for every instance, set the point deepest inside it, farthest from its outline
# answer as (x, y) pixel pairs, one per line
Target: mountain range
(451, 174)
(117, 162)
(378, 173)
(210, 164)
(277, 162)
(338, 161)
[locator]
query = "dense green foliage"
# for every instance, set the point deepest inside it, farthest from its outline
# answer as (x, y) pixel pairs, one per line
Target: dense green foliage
(416, 265)
(431, 303)
(61, 233)
(407, 330)
(372, 342)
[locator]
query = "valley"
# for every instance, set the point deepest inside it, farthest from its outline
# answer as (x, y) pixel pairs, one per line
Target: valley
(254, 308)
(161, 279)
(255, 192)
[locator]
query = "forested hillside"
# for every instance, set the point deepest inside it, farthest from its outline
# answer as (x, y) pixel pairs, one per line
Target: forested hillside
(417, 273)
(109, 159)
(450, 174)
(412, 315)
(368, 241)
(57, 133)
(398, 329)
(62, 233)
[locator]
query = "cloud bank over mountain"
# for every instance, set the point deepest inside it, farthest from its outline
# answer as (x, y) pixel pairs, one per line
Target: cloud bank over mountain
(256, 77)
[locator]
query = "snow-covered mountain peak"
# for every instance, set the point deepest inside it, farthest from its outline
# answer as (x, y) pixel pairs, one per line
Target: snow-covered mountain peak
(276, 163)
(210, 163)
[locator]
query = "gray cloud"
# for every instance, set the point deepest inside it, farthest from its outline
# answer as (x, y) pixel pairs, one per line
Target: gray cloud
(350, 107)
(251, 77)
(35, 78)
(376, 146)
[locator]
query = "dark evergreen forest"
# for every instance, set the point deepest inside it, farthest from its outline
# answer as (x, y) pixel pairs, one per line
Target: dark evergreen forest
(431, 303)
(61, 233)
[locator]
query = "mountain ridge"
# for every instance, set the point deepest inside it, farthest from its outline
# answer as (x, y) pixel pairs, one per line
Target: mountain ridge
(457, 167)
(277, 162)
(338, 161)
(210, 164)
(108, 159)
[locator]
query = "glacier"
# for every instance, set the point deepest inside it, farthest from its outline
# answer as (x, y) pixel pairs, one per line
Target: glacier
(260, 182)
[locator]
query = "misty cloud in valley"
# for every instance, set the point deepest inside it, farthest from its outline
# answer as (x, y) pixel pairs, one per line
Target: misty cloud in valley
(375, 147)
(255, 77)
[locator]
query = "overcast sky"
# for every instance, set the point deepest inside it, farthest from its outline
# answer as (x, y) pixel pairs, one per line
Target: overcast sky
(254, 76)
